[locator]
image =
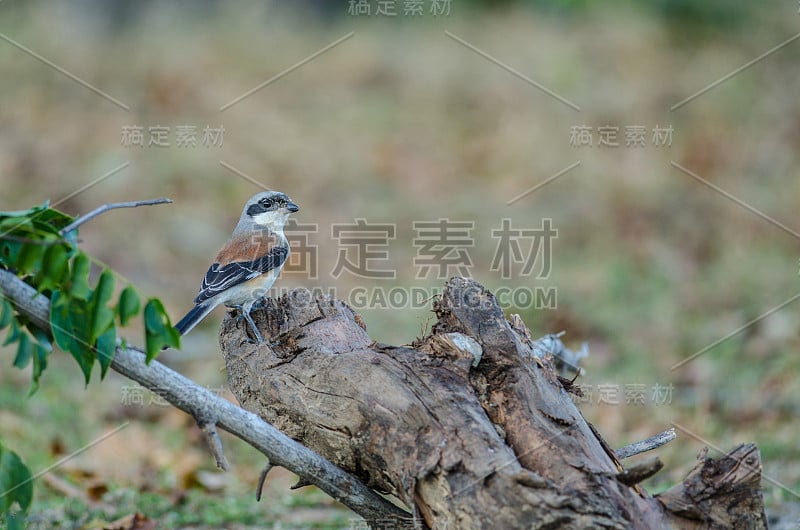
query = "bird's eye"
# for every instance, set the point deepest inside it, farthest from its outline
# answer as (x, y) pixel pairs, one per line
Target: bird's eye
(266, 203)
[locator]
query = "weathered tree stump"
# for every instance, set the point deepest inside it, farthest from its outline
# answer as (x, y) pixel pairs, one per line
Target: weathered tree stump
(467, 427)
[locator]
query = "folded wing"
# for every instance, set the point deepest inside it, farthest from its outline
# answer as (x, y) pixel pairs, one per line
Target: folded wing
(222, 277)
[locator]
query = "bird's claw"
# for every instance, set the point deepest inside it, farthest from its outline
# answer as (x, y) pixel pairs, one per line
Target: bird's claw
(258, 340)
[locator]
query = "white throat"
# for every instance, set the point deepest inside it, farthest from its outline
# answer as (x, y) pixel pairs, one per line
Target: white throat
(274, 221)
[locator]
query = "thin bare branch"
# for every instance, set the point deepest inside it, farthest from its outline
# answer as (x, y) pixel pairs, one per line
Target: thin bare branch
(646, 445)
(262, 478)
(111, 206)
(640, 471)
(214, 443)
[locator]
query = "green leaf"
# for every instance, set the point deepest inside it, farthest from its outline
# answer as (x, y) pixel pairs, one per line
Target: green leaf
(102, 317)
(157, 329)
(10, 224)
(79, 280)
(60, 320)
(42, 349)
(31, 212)
(128, 305)
(29, 258)
(53, 269)
(52, 220)
(16, 484)
(9, 250)
(106, 345)
(36, 222)
(14, 225)
(69, 320)
(13, 333)
(24, 351)
(15, 521)
(6, 313)
(40, 355)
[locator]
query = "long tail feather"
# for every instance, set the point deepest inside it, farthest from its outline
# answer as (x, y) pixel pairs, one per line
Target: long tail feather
(193, 318)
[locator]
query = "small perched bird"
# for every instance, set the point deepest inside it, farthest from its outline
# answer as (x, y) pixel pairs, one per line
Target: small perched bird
(248, 264)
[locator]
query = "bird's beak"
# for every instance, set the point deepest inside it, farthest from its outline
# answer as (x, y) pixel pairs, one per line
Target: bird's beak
(292, 207)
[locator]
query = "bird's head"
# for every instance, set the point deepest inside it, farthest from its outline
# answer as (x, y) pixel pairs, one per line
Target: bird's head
(269, 209)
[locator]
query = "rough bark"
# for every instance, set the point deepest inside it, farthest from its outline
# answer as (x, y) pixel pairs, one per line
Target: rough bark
(467, 426)
(720, 493)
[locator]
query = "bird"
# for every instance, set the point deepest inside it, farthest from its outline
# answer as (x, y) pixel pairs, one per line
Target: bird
(248, 264)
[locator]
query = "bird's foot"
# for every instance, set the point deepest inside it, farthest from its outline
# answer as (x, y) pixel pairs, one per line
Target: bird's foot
(257, 334)
(243, 314)
(261, 303)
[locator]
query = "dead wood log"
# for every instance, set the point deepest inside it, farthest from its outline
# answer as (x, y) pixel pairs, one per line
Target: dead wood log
(468, 427)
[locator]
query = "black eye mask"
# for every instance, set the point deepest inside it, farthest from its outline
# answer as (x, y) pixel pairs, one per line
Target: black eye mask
(257, 208)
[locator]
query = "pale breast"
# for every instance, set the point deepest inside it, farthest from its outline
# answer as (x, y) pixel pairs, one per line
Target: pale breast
(250, 290)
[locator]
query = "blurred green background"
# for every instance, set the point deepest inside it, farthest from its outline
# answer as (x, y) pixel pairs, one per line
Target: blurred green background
(401, 123)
